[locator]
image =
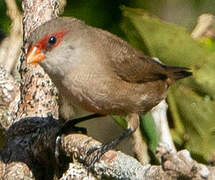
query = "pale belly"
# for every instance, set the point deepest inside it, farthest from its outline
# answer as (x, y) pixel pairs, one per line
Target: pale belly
(112, 99)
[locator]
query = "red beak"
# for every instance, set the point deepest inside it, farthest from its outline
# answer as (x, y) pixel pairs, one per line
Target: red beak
(34, 55)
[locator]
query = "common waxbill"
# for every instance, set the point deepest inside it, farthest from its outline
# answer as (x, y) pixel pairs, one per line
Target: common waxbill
(100, 72)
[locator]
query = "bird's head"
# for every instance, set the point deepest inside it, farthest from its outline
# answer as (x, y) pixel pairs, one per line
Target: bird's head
(47, 38)
(56, 44)
(38, 49)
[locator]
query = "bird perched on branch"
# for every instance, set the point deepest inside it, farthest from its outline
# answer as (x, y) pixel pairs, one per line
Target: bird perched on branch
(100, 72)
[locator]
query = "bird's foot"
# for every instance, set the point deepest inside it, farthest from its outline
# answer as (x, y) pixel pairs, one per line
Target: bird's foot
(92, 158)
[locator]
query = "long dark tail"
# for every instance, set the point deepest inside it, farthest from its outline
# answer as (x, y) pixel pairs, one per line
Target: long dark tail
(175, 73)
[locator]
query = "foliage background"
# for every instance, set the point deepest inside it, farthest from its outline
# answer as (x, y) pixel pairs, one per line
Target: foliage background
(143, 24)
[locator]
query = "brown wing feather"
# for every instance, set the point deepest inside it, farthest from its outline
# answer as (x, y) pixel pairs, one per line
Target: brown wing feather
(132, 65)
(140, 69)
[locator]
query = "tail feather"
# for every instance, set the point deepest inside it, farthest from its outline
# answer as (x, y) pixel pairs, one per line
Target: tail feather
(176, 73)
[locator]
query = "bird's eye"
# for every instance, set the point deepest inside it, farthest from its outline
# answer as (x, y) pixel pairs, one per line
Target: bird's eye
(52, 40)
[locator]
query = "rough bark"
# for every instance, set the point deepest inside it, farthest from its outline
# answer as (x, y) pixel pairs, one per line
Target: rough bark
(9, 97)
(30, 143)
(38, 93)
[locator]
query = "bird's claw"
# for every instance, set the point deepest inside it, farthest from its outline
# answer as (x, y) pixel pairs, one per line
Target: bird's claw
(91, 159)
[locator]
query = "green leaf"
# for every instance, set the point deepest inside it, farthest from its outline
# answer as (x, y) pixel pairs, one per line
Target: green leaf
(197, 114)
(121, 121)
(208, 43)
(149, 130)
(169, 42)
(191, 101)
(204, 76)
(4, 19)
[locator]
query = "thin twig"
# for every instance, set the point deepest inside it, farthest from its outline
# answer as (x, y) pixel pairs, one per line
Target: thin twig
(10, 47)
(114, 164)
(205, 26)
(159, 114)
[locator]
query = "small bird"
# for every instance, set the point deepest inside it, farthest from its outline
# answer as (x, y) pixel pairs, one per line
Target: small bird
(100, 72)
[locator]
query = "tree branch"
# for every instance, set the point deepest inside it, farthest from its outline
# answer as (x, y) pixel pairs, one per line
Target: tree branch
(204, 27)
(159, 114)
(38, 93)
(114, 164)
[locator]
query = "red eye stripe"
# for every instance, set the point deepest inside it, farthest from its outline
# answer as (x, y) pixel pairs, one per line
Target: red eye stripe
(42, 44)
